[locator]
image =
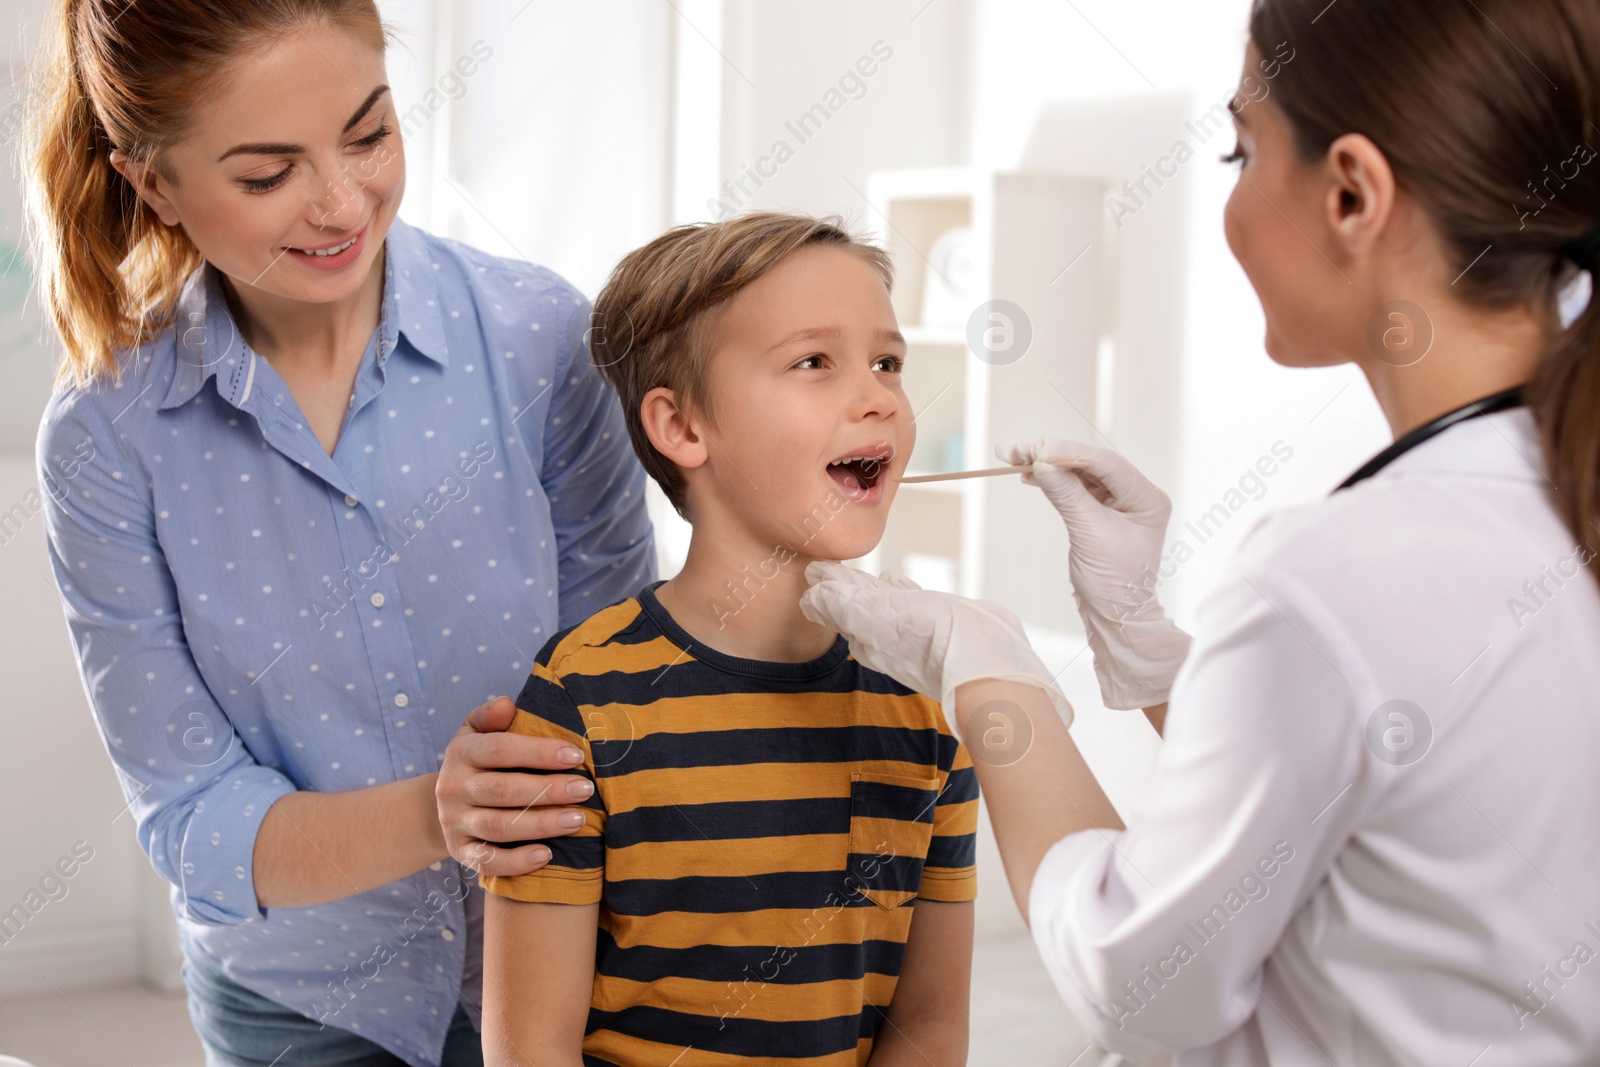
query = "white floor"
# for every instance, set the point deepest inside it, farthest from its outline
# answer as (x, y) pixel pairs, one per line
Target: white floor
(1016, 1019)
(123, 1026)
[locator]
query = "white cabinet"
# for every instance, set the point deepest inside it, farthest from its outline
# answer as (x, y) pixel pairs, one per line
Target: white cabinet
(1020, 356)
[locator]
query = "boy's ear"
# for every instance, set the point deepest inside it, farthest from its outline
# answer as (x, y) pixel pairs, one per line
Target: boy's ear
(671, 432)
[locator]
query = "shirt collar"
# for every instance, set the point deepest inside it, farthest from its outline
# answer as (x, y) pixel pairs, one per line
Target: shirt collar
(207, 342)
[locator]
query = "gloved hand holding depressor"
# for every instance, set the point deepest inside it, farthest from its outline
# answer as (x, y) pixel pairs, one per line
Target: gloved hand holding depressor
(1116, 522)
(925, 640)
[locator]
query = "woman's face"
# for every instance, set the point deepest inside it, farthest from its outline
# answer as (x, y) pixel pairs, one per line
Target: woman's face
(295, 153)
(1278, 225)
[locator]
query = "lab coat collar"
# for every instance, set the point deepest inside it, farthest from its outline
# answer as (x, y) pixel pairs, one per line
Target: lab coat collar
(1503, 445)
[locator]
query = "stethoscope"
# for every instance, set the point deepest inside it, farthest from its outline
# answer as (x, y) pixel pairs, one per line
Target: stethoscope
(1487, 406)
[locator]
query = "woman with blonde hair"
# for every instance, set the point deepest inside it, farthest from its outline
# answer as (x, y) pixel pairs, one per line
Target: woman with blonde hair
(317, 484)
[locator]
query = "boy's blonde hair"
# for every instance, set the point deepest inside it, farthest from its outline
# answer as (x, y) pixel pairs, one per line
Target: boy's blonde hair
(653, 321)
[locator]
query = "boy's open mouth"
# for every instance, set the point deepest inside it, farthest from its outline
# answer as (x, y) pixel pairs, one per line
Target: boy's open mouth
(859, 471)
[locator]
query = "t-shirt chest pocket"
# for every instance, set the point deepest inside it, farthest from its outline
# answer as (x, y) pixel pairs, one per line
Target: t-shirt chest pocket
(891, 828)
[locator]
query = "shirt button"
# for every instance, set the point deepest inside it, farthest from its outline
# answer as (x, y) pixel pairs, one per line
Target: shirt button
(350, 501)
(437, 865)
(377, 600)
(401, 700)
(448, 934)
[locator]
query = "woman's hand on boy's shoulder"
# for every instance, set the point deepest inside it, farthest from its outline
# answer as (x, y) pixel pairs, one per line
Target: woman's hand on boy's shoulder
(484, 799)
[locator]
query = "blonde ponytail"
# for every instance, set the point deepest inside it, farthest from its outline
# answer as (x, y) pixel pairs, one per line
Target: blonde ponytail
(87, 222)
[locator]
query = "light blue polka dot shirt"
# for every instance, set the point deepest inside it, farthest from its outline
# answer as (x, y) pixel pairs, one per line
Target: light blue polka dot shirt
(253, 616)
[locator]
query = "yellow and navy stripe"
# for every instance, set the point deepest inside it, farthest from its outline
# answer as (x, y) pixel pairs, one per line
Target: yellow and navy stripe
(757, 840)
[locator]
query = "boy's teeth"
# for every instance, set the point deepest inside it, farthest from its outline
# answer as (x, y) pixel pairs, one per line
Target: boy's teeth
(878, 456)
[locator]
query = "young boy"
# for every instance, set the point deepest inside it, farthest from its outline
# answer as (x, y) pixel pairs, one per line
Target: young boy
(777, 865)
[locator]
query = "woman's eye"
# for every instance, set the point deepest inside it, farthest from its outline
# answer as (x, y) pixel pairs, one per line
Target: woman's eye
(892, 364)
(1236, 156)
(263, 185)
(371, 140)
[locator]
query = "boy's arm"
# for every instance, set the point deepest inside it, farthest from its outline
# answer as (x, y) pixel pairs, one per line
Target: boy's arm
(540, 928)
(927, 1021)
(538, 971)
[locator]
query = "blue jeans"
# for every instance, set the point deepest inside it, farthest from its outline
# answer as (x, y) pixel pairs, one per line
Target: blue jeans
(240, 1029)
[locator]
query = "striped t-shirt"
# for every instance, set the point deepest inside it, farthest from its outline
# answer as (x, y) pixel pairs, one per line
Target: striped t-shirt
(757, 839)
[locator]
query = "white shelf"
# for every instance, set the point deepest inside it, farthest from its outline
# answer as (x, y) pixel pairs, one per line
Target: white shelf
(1004, 538)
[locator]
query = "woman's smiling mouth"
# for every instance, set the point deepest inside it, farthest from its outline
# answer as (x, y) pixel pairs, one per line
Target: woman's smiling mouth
(334, 256)
(335, 250)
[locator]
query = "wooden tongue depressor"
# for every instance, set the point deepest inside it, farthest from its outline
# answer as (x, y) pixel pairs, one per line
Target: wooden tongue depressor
(1065, 464)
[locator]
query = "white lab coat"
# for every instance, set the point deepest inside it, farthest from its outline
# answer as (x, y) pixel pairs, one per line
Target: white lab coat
(1287, 895)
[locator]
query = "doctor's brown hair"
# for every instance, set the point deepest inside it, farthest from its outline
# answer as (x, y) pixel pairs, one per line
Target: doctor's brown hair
(1489, 114)
(126, 74)
(654, 322)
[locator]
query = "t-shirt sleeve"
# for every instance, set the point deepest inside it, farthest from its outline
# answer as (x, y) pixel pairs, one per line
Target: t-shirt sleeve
(951, 872)
(576, 871)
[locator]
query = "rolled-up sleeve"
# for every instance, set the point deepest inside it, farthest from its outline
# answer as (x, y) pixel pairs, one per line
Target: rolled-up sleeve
(595, 484)
(196, 795)
(577, 867)
(1156, 936)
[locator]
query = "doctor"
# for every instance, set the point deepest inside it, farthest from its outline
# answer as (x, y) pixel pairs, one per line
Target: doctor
(1371, 835)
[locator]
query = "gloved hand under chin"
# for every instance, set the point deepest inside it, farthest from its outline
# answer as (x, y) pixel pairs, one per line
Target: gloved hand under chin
(928, 641)
(1116, 524)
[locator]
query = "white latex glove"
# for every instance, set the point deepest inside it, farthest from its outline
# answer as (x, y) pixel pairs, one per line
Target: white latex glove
(925, 640)
(1116, 524)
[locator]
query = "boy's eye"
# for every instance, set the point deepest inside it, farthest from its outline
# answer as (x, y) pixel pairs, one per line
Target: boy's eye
(892, 364)
(814, 361)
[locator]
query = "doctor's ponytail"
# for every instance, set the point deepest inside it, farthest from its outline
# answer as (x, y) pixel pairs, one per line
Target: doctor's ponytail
(1489, 114)
(120, 74)
(1565, 398)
